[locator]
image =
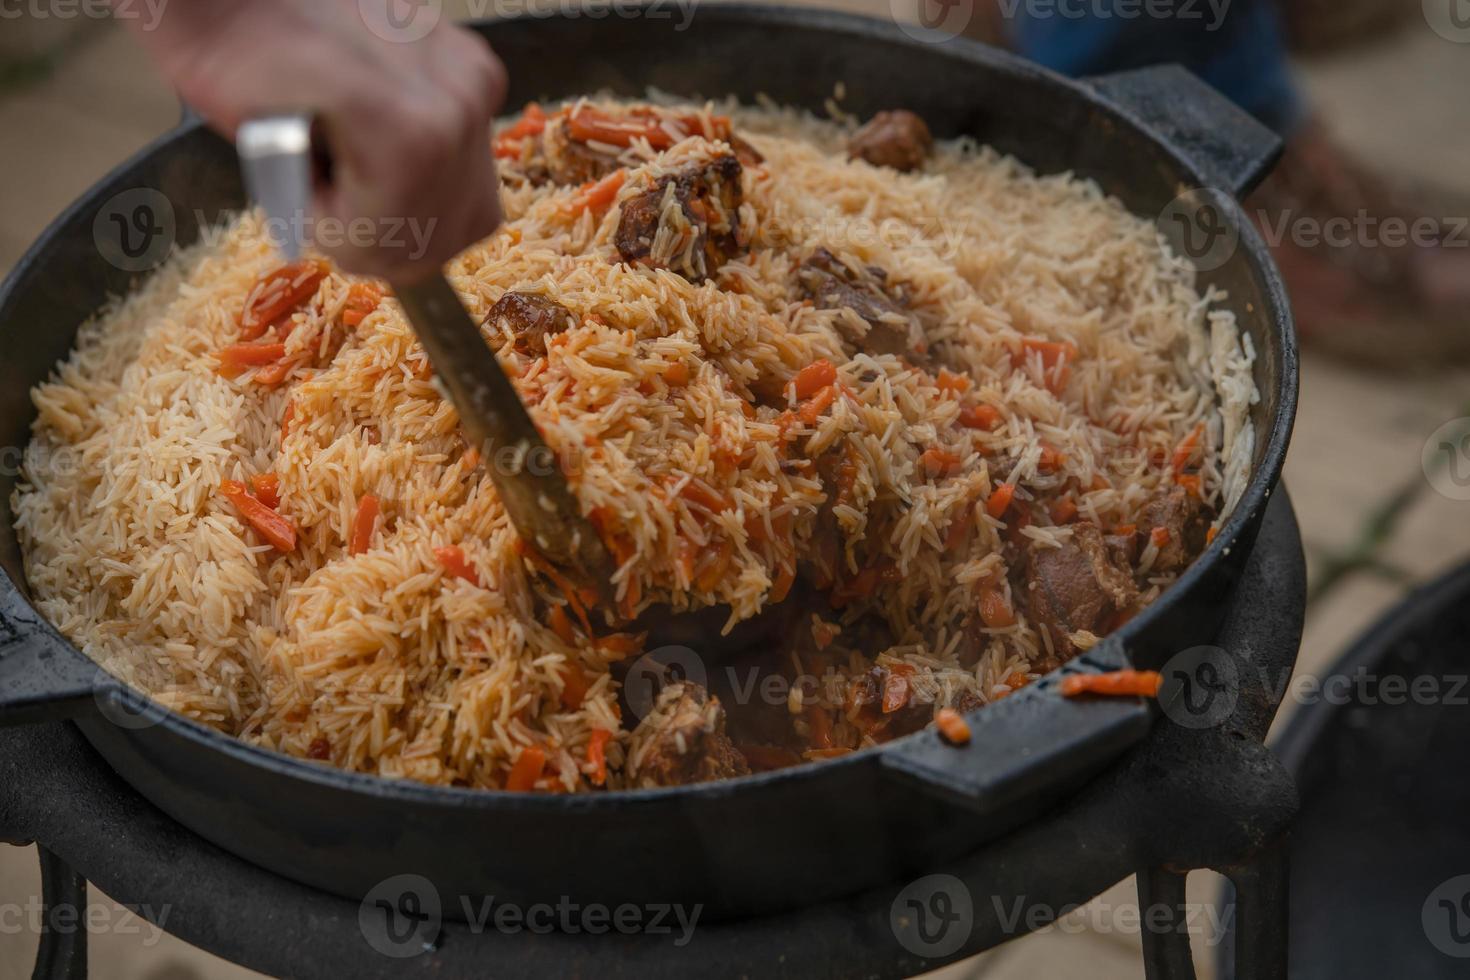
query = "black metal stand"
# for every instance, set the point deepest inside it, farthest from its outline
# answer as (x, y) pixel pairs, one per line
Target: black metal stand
(63, 950)
(1189, 796)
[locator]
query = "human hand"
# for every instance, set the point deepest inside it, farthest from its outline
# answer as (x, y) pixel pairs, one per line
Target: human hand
(406, 124)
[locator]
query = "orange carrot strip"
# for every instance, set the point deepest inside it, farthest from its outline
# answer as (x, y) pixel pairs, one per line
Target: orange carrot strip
(362, 299)
(596, 195)
(279, 292)
(1210, 536)
(574, 684)
(940, 462)
(895, 692)
(813, 378)
(588, 124)
(363, 524)
(1160, 537)
(239, 357)
(1055, 356)
(452, 559)
(1191, 483)
(995, 608)
(528, 768)
(714, 572)
(952, 726)
(273, 374)
(267, 487)
(278, 531)
(573, 597)
(983, 417)
(531, 123)
(561, 624)
(1117, 683)
(1186, 449)
(597, 754)
(1050, 460)
(812, 409)
(951, 382)
(676, 375)
(1000, 500)
(1063, 511)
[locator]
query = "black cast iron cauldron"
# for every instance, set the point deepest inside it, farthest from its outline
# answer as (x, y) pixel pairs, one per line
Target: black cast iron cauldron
(765, 842)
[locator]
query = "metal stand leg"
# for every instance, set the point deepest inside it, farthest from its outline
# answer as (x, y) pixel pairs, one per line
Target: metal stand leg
(63, 951)
(1261, 918)
(1165, 917)
(1262, 914)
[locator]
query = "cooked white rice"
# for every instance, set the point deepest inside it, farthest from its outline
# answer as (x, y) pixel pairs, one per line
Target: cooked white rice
(386, 665)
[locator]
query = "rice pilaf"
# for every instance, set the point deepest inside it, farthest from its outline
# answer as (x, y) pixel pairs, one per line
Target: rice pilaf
(915, 403)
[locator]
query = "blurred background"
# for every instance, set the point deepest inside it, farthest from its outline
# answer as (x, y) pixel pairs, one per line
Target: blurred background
(1383, 84)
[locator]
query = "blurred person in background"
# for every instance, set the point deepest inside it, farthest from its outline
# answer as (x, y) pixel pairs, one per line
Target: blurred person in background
(1374, 272)
(1377, 272)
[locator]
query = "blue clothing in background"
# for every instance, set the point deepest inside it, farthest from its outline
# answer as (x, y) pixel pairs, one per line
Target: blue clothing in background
(1235, 45)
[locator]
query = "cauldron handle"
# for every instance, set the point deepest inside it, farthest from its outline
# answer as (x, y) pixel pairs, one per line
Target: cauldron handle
(1229, 146)
(42, 678)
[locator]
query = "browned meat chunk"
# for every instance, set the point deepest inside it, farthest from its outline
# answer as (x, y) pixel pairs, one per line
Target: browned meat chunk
(555, 158)
(1184, 518)
(748, 155)
(1116, 579)
(568, 162)
(967, 701)
(1074, 588)
(832, 284)
(1122, 549)
(687, 222)
(683, 740)
(897, 139)
(884, 704)
(530, 319)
